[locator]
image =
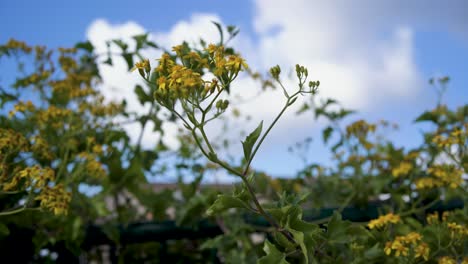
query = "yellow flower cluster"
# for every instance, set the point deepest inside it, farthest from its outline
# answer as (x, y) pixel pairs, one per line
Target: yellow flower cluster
(442, 175)
(92, 166)
(55, 199)
(446, 260)
(180, 83)
(403, 169)
(402, 244)
(72, 88)
(456, 137)
(34, 176)
(184, 80)
(99, 109)
(22, 107)
(457, 229)
(53, 116)
(40, 147)
(13, 44)
(383, 220)
(360, 128)
(68, 64)
(11, 141)
(33, 79)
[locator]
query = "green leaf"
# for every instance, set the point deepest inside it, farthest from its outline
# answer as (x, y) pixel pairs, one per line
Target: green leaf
(299, 238)
(250, 141)
(336, 229)
(373, 252)
(273, 255)
(220, 30)
(85, 46)
(327, 133)
(121, 44)
(140, 41)
(225, 202)
(427, 116)
(128, 57)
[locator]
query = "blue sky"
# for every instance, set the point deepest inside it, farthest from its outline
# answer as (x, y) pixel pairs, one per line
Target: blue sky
(375, 56)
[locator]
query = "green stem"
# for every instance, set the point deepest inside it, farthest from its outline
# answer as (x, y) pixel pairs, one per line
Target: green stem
(15, 211)
(266, 133)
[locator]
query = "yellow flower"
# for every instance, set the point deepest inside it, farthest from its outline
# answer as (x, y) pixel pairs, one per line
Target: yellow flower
(457, 230)
(384, 220)
(402, 169)
(465, 260)
(432, 218)
(388, 248)
(400, 248)
(411, 238)
(446, 260)
(236, 64)
(55, 199)
(143, 65)
(422, 250)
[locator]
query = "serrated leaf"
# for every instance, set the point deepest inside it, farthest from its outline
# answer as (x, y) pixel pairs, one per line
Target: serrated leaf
(336, 229)
(273, 255)
(225, 202)
(250, 141)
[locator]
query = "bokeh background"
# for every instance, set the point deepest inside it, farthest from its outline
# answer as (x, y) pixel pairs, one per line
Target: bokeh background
(373, 56)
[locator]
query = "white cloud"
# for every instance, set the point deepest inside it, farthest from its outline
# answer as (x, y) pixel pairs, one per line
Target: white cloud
(363, 54)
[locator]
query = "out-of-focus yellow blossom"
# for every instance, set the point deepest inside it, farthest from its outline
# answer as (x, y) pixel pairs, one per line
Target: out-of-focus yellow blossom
(446, 260)
(92, 166)
(22, 107)
(403, 169)
(411, 242)
(448, 174)
(276, 185)
(13, 44)
(399, 248)
(34, 176)
(432, 218)
(456, 137)
(41, 147)
(12, 141)
(55, 199)
(142, 66)
(457, 230)
(441, 175)
(411, 238)
(445, 216)
(97, 149)
(360, 129)
(465, 260)
(384, 220)
(422, 250)
(53, 116)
